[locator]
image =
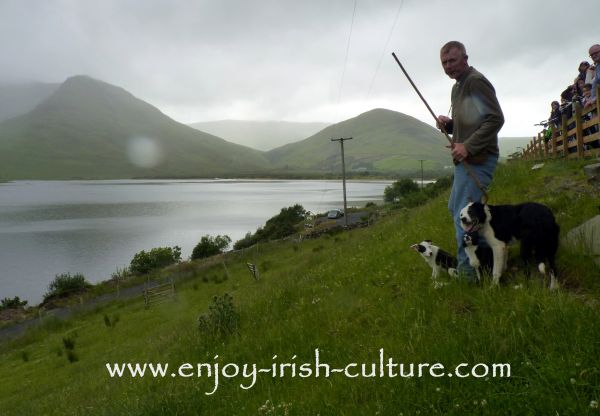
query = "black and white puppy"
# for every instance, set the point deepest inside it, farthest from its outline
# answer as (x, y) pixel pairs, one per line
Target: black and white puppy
(532, 223)
(436, 258)
(481, 257)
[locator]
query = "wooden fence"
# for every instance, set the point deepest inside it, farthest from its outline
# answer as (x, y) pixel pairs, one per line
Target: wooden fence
(159, 294)
(576, 137)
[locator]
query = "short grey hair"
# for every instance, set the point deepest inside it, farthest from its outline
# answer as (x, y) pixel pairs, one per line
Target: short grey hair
(454, 44)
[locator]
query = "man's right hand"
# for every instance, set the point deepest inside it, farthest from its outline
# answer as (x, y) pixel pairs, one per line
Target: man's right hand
(443, 122)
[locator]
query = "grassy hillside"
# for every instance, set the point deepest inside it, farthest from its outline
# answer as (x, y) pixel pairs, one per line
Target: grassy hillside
(91, 129)
(260, 135)
(348, 295)
(383, 140)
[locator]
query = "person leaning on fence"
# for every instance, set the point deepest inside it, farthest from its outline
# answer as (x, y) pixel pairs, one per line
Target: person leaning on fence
(583, 69)
(587, 115)
(555, 115)
(588, 101)
(595, 55)
(474, 124)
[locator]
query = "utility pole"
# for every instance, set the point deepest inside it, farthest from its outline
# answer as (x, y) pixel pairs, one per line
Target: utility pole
(341, 140)
(421, 160)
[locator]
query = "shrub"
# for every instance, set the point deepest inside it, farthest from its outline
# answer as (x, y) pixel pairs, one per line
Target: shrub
(14, 303)
(210, 246)
(157, 258)
(222, 318)
(280, 226)
(400, 189)
(120, 274)
(65, 284)
(408, 196)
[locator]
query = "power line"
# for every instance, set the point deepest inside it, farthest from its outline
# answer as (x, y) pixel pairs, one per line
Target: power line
(347, 53)
(384, 49)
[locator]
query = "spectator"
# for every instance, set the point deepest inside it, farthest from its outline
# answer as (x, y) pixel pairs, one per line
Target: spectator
(555, 115)
(587, 96)
(583, 69)
(595, 55)
(566, 106)
(576, 93)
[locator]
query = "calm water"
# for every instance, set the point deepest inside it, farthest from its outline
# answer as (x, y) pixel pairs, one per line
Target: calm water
(93, 227)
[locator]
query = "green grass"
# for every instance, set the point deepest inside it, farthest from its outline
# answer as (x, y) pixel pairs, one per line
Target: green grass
(348, 295)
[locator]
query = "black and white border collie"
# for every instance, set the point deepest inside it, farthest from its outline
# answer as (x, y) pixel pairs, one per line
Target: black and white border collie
(481, 257)
(436, 258)
(532, 223)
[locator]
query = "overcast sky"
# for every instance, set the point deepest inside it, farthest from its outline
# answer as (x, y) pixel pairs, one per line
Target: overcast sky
(286, 60)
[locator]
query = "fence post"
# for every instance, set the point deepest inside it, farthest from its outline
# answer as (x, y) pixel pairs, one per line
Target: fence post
(578, 129)
(564, 135)
(554, 135)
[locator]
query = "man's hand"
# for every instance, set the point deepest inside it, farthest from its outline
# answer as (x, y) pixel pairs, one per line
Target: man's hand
(459, 152)
(442, 122)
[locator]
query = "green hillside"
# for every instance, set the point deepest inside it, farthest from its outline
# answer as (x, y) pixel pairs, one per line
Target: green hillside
(91, 129)
(383, 140)
(260, 135)
(350, 296)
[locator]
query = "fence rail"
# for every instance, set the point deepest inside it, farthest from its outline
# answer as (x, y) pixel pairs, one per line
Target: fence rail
(158, 294)
(576, 137)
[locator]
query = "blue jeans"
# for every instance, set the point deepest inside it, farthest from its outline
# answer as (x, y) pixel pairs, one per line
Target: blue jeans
(465, 190)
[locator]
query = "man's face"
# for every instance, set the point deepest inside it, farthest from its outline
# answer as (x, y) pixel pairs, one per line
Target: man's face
(595, 53)
(454, 62)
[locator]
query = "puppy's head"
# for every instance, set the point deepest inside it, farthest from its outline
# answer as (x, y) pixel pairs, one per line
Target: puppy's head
(424, 248)
(472, 217)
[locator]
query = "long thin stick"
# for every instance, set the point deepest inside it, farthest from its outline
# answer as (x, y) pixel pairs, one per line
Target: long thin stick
(422, 98)
(464, 162)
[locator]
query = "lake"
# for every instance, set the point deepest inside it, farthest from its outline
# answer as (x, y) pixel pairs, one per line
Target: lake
(95, 227)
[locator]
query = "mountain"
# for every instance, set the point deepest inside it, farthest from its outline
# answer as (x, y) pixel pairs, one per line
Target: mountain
(90, 129)
(261, 135)
(382, 140)
(16, 100)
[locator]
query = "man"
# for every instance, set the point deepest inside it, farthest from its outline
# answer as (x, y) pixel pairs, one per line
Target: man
(474, 125)
(595, 55)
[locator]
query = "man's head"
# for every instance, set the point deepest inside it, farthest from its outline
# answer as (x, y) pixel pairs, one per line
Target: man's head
(587, 90)
(595, 53)
(454, 59)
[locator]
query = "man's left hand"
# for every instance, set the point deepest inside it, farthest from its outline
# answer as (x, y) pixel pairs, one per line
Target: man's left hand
(459, 152)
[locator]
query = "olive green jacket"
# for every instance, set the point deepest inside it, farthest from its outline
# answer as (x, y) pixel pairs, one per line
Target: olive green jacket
(476, 115)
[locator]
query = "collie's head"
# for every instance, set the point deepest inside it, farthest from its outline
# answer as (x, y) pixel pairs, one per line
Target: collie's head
(472, 217)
